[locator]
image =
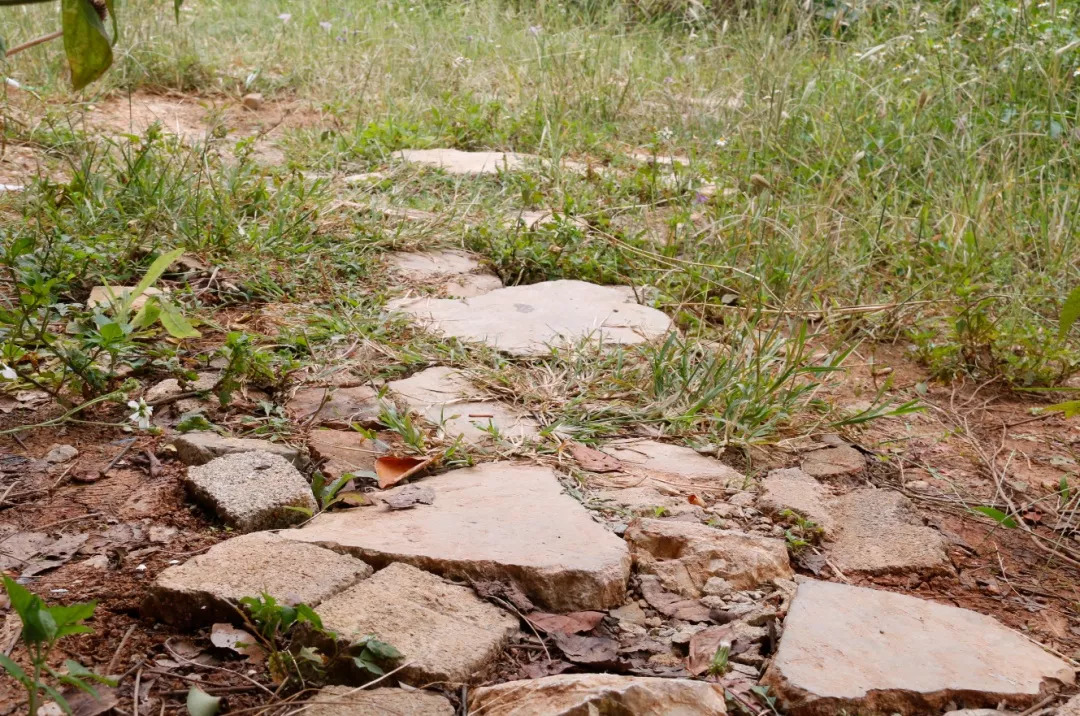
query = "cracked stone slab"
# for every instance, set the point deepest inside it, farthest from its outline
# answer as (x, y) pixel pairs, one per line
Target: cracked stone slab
(428, 265)
(529, 320)
(835, 461)
(456, 161)
(252, 490)
(443, 630)
(674, 464)
(339, 407)
(581, 694)
(343, 451)
(444, 397)
(203, 589)
(494, 521)
(199, 448)
(684, 555)
(867, 530)
(348, 701)
(874, 652)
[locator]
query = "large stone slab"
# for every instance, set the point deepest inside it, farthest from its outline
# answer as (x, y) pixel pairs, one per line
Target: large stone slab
(427, 265)
(338, 452)
(492, 521)
(455, 161)
(684, 555)
(581, 694)
(204, 589)
(837, 461)
(338, 407)
(528, 320)
(349, 701)
(792, 489)
(443, 630)
(251, 490)
(875, 652)
(674, 465)
(444, 397)
(199, 448)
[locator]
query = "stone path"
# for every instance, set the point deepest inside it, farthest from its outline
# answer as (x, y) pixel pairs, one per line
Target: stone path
(681, 559)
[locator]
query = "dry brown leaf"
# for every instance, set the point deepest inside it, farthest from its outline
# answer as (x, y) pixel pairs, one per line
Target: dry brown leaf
(594, 650)
(390, 469)
(593, 460)
(572, 623)
(695, 500)
(703, 647)
(226, 636)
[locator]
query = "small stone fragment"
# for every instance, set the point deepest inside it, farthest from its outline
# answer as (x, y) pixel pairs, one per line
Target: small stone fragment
(253, 101)
(530, 320)
(684, 555)
(573, 694)
(342, 451)
(875, 652)
(171, 387)
(716, 587)
(455, 161)
(349, 701)
(252, 490)
(471, 284)
(793, 489)
(59, 454)
(629, 612)
(204, 589)
(443, 630)
(200, 447)
(834, 462)
(877, 532)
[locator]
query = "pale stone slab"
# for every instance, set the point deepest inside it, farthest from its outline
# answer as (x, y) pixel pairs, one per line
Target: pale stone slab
(342, 451)
(834, 462)
(455, 161)
(874, 652)
(349, 701)
(471, 284)
(878, 532)
(793, 489)
(444, 397)
(580, 694)
(493, 521)
(252, 490)
(674, 464)
(199, 448)
(204, 589)
(529, 320)
(685, 555)
(105, 296)
(426, 265)
(335, 406)
(443, 630)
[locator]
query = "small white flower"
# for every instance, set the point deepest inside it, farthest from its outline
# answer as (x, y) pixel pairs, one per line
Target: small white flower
(460, 62)
(285, 16)
(325, 25)
(721, 142)
(665, 134)
(141, 416)
(535, 30)
(1076, 72)
(7, 372)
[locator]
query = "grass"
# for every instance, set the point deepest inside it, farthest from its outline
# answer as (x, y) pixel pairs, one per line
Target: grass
(894, 171)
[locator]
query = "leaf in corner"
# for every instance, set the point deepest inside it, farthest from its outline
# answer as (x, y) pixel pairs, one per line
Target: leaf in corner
(200, 703)
(1070, 312)
(390, 470)
(176, 8)
(86, 43)
(174, 322)
(996, 515)
(1071, 408)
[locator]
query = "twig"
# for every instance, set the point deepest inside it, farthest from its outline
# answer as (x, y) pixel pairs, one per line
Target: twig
(117, 458)
(33, 43)
(245, 677)
(135, 693)
(119, 648)
(1036, 707)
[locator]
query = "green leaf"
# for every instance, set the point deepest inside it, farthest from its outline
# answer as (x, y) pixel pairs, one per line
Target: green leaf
(3, 47)
(157, 269)
(76, 669)
(109, 6)
(193, 421)
(72, 614)
(382, 650)
(14, 669)
(147, 315)
(38, 624)
(1070, 312)
(368, 665)
(57, 697)
(200, 703)
(86, 43)
(176, 8)
(1063, 488)
(1071, 408)
(174, 322)
(307, 614)
(996, 515)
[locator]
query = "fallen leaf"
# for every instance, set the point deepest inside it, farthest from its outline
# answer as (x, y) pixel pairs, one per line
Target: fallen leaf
(572, 623)
(703, 647)
(540, 669)
(505, 591)
(84, 704)
(593, 650)
(695, 500)
(32, 553)
(226, 636)
(352, 498)
(670, 604)
(593, 460)
(200, 703)
(409, 496)
(390, 469)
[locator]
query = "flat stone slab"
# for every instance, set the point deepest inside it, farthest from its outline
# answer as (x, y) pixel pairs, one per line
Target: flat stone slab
(199, 448)
(203, 589)
(834, 462)
(580, 694)
(443, 396)
(349, 701)
(335, 406)
(251, 490)
(105, 296)
(529, 320)
(684, 555)
(471, 284)
(455, 161)
(427, 265)
(867, 530)
(874, 652)
(443, 630)
(493, 521)
(338, 452)
(674, 464)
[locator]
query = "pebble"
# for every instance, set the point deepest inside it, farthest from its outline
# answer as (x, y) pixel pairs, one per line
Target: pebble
(253, 101)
